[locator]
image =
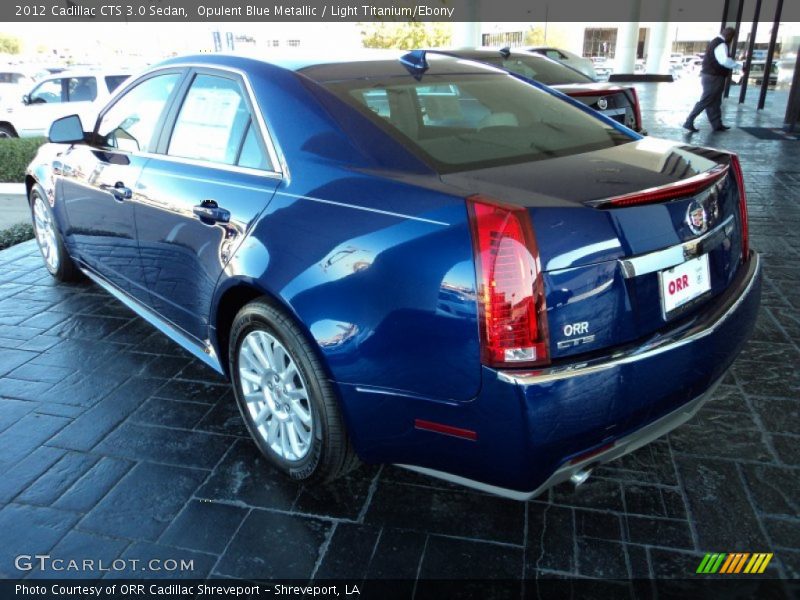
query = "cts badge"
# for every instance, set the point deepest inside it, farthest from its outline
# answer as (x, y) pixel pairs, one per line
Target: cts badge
(576, 329)
(696, 217)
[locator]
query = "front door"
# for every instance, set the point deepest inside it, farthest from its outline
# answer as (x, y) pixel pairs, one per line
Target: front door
(199, 197)
(99, 182)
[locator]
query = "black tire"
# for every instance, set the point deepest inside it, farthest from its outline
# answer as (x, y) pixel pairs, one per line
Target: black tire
(330, 454)
(62, 268)
(6, 131)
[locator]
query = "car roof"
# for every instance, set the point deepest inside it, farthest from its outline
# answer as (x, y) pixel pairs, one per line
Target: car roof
(88, 73)
(326, 68)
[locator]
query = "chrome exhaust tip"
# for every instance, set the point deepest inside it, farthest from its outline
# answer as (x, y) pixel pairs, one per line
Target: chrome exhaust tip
(579, 477)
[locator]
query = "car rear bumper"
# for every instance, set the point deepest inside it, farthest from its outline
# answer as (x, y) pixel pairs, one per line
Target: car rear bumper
(576, 416)
(578, 470)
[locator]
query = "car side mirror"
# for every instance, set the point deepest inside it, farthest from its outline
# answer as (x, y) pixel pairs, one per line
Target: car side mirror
(26, 99)
(66, 130)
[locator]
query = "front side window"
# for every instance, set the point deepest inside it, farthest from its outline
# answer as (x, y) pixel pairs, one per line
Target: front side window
(213, 123)
(81, 89)
(130, 124)
(47, 92)
(461, 122)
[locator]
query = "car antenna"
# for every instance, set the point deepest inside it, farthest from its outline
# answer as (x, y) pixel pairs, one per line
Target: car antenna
(415, 62)
(505, 52)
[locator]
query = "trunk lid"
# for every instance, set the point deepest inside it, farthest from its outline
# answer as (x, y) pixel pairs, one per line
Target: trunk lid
(606, 270)
(613, 101)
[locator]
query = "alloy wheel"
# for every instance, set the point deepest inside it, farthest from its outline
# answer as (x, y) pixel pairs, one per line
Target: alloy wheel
(45, 233)
(276, 396)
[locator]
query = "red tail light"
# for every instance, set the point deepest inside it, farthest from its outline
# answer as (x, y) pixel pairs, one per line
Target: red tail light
(637, 110)
(737, 173)
(513, 319)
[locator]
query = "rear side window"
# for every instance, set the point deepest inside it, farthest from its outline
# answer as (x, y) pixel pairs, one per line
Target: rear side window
(114, 81)
(130, 124)
(252, 154)
(462, 122)
(213, 123)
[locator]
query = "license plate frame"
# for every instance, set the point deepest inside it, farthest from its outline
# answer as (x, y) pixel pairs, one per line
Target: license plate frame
(684, 284)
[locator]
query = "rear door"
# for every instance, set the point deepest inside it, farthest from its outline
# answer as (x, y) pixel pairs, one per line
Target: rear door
(214, 173)
(99, 179)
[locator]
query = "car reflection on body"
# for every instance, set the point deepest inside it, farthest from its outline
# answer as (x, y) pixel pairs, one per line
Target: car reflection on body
(415, 259)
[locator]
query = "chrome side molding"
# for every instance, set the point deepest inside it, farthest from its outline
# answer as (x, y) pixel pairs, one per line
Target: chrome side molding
(205, 353)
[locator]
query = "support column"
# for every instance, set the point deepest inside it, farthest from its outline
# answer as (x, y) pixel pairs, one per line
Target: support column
(627, 41)
(773, 39)
(793, 108)
(467, 33)
(658, 47)
(749, 59)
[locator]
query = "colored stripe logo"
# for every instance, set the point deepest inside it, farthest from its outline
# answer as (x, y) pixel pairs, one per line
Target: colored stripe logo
(734, 563)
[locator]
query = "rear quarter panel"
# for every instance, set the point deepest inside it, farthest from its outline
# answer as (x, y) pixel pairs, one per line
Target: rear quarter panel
(376, 266)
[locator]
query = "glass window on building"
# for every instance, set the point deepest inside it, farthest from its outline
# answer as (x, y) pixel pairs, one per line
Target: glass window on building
(599, 41)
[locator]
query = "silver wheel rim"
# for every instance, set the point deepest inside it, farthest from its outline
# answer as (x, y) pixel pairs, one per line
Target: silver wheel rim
(4, 134)
(276, 396)
(45, 234)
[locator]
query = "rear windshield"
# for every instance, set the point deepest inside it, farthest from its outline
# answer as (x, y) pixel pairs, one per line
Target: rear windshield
(540, 69)
(465, 122)
(12, 77)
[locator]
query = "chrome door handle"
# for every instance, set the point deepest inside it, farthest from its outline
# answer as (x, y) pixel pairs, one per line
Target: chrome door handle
(208, 212)
(121, 192)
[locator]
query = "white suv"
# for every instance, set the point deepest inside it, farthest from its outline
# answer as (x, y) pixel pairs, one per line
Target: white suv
(62, 94)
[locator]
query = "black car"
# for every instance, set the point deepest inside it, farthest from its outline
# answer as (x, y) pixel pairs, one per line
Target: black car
(617, 102)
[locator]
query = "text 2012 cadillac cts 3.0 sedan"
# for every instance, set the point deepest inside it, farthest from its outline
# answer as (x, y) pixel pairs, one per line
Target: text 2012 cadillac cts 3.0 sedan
(412, 259)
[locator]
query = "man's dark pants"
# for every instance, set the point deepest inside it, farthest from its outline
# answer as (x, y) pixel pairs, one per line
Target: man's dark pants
(710, 101)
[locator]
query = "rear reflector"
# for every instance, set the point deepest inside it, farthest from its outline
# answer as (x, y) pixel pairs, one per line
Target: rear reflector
(511, 303)
(466, 434)
(672, 191)
(737, 173)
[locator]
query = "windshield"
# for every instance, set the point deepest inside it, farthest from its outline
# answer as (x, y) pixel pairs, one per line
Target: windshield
(463, 122)
(540, 69)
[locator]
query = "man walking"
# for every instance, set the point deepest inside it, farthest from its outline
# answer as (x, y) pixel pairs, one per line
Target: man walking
(717, 66)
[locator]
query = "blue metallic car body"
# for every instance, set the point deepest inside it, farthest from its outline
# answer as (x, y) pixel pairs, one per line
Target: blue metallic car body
(370, 249)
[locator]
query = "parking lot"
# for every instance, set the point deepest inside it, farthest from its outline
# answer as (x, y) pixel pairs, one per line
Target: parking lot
(117, 444)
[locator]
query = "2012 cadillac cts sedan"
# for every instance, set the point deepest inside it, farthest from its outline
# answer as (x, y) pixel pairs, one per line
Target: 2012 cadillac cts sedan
(414, 259)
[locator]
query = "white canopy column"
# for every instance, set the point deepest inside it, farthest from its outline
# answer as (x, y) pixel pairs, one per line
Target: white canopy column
(658, 46)
(627, 40)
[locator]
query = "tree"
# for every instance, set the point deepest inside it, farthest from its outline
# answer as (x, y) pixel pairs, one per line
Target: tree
(406, 36)
(551, 36)
(535, 37)
(9, 44)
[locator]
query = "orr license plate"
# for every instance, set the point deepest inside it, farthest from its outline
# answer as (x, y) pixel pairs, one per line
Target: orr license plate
(683, 283)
